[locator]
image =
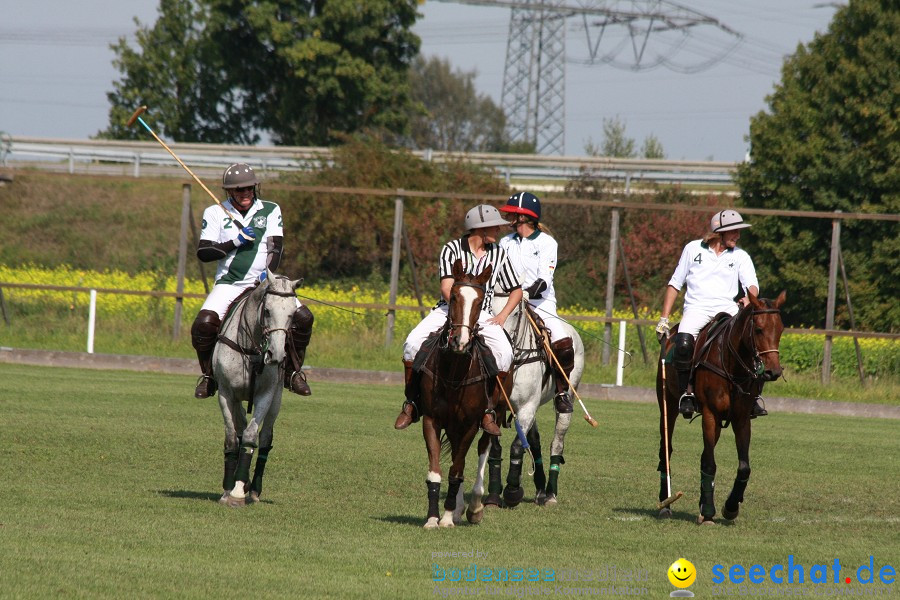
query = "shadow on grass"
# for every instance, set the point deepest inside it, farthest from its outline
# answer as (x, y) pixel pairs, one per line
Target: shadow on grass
(401, 520)
(192, 495)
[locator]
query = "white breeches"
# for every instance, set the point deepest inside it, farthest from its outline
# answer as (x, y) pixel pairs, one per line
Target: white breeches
(221, 297)
(493, 336)
(695, 319)
(546, 309)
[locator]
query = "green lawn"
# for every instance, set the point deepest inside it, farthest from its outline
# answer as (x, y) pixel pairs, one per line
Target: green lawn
(111, 482)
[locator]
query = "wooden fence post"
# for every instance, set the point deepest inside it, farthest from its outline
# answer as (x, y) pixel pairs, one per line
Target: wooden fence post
(832, 287)
(395, 268)
(182, 257)
(611, 282)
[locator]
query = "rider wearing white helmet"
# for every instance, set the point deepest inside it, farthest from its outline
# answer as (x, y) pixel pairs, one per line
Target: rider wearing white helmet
(476, 250)
(715, 271)
(533, 252)
(243, 255)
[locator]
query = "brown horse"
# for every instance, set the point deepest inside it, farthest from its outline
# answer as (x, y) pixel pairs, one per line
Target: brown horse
(457, 380)
(733, 359)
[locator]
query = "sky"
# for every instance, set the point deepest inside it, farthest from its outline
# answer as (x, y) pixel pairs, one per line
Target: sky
(56, 67)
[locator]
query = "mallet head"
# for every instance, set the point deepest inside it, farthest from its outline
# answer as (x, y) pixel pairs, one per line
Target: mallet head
(134, 117)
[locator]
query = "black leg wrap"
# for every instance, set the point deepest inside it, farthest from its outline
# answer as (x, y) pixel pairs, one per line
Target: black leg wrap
(556, 461)
(707, 495)
(452, 491)
(243, 465)
(434, 494)
(259, 470)
(663, 486)
(231, 462)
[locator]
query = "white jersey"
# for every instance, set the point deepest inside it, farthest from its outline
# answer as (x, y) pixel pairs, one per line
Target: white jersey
(533, 258)
(712, 281)
(243, 265)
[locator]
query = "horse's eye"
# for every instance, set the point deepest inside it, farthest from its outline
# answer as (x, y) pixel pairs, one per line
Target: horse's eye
(759, 330)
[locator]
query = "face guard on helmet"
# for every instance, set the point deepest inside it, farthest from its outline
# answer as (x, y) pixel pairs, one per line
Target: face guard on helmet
(727, 220)
(239, 175)
(524, 203)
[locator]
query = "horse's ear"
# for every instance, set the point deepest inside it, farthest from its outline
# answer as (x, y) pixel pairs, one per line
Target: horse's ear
(296, 284)
(485, 275)
(781, 298)
(457, 269)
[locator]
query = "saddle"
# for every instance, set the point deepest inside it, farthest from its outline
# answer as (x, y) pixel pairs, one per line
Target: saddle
(438, 339)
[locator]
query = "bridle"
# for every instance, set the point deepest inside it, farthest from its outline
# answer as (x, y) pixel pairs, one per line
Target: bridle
(256, 350)
(756, 370)
(455, 326)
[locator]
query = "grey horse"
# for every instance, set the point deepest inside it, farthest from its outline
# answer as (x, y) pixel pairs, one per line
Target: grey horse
(247, 364)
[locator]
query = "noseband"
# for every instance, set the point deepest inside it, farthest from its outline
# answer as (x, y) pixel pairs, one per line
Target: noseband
(473, 329)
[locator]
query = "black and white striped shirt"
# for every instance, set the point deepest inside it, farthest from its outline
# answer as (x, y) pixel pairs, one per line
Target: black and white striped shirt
(504, 273)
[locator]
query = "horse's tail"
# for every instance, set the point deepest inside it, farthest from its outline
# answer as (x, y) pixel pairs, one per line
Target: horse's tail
(445, 445)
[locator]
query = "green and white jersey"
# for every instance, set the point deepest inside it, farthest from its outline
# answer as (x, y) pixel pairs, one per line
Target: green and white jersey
(242, 265)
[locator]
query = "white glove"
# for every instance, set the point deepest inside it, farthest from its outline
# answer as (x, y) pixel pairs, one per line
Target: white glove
(662, 329)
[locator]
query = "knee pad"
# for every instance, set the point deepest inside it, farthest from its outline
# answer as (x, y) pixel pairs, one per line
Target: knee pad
(302, 320)
(684, 351)
(205, 329)
(564, 350)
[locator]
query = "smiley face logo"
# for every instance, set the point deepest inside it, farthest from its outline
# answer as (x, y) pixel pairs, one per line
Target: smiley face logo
(682, 573)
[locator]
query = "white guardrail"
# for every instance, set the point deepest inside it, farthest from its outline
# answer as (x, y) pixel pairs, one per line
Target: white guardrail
(114, 157)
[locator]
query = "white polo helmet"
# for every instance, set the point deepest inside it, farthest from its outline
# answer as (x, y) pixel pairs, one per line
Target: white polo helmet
(726, 220)
(484, 215)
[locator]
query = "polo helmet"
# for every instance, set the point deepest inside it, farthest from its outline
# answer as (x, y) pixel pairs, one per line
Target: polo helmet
(484, 215)
(239, 175)
(524, 203)
(727, 220)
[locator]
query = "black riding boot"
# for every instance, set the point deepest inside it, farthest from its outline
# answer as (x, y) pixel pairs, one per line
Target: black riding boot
(298, 337)
(203, 337)
(409, 413)
(759, 408)
(565, 353)
(684, 357)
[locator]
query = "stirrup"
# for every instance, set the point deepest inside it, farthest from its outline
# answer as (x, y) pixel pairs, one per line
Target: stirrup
(687, 405)
(206, 387)
(297, 384)
(405, 419)
(759, 408)
(490, 426)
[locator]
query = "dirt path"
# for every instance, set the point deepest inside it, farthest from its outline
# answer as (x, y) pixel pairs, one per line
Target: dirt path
(181, 366)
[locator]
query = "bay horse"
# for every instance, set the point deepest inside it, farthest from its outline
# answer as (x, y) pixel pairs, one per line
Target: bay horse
(732, 360)
(248, 363)
(533, 386)
(455, 385)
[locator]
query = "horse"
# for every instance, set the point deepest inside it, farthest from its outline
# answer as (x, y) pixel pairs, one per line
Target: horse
(247, 364)
(734, 358)
(455, 386)
(533, 386)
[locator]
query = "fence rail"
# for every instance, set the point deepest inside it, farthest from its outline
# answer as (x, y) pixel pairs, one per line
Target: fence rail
(408, 307)
(148, 158)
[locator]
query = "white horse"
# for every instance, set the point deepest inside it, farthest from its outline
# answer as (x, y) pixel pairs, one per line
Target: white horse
(247, 364)
(533, 385)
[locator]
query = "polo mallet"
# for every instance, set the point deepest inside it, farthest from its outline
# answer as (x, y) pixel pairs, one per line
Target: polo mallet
(519, 432)
(137, 117)
(670, 499)
(587, 415)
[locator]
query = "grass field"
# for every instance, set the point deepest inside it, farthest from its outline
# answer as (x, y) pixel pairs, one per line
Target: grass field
(112, 480)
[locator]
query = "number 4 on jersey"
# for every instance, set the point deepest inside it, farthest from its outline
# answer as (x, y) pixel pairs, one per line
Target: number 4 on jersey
(698, 259)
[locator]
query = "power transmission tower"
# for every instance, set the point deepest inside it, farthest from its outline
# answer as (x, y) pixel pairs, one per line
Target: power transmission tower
(534, 78)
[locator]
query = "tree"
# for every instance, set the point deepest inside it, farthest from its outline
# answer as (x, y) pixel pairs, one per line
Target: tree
(615, 143)
(449, 114)
(652, 148)
(315, 69)
(831, 141)
(305, 71)
(181, 77)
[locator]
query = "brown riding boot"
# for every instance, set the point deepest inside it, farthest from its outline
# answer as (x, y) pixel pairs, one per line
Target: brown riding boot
(489, 421)
(409, 414)
(203, 337)
(564, 351)
(298, 337)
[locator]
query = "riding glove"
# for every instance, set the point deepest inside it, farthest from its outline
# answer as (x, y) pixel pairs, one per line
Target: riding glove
(662, 329)
(246, 236)
(536, 289)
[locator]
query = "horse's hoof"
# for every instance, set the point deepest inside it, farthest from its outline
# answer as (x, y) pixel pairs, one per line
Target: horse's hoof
(431, 523)
(254, 497)
(475, 517)
(701, 520)
(224, 499)
(665, 513)
(513, 496)
(492, 500)
(729, 515)
(551, 500)
(446, 523)
(540, 497)
(234, 502)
